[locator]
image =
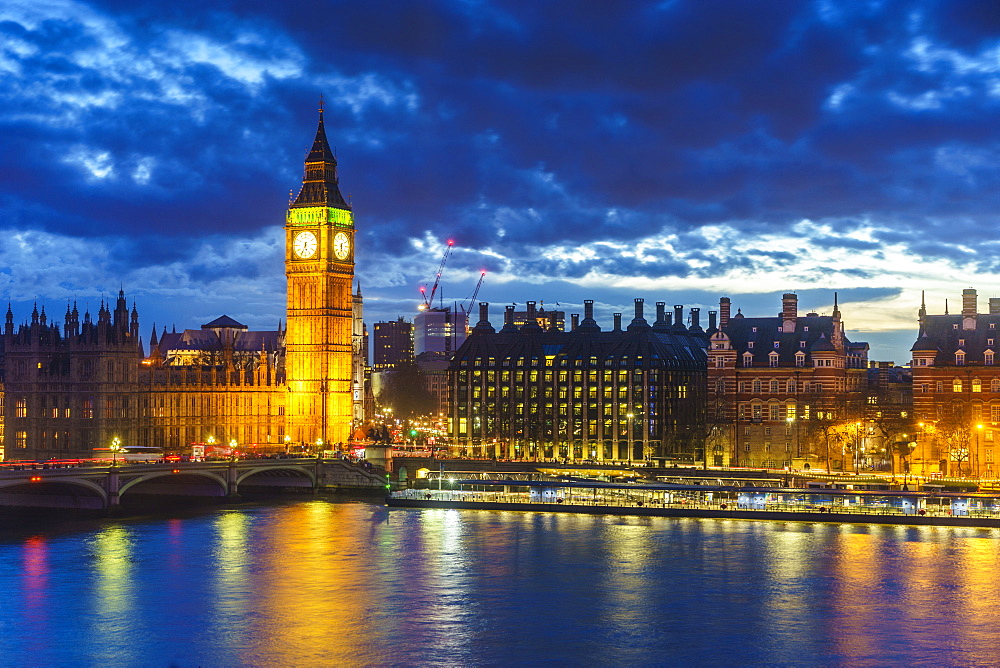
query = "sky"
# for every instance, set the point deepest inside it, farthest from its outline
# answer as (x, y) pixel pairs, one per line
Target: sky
(676, 151)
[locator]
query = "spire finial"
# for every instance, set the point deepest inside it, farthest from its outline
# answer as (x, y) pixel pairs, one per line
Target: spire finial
(321, 103)
(922, 302)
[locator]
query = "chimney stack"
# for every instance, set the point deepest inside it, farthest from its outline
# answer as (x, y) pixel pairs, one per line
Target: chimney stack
(724, 306)
(969, 308)
(789, 311)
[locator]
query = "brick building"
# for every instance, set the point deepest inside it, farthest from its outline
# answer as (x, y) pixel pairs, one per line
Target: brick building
(956, 389)
(779, 386)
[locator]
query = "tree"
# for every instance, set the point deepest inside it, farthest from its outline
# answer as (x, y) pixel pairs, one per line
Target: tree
(405, 392)
(955, 429)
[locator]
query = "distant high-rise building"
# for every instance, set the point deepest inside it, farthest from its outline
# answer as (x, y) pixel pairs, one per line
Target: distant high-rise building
(439, 330)
(393, 344)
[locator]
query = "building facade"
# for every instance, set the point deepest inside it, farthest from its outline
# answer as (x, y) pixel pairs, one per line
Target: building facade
(392, 344)
(956, 390)
(630, 395)
(781, 389)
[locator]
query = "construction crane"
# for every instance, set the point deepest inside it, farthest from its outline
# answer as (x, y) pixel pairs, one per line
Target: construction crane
(475, 293)
(429, 300)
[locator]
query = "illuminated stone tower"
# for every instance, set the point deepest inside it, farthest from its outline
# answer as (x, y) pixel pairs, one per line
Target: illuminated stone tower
(319, 265)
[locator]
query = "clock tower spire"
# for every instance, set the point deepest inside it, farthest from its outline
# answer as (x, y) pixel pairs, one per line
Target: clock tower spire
(319, 266)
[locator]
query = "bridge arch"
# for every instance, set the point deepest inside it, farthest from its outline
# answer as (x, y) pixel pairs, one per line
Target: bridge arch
(308, 472)
(152, 475)
(84, 483)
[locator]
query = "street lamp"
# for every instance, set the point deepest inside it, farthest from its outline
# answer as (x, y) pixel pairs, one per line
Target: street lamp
(979, 430)
(630, 436)
(116, 445)
(319, 447)
(232, 449)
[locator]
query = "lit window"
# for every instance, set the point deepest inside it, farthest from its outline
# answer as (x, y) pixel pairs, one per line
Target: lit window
(956, 385)
(977, 385)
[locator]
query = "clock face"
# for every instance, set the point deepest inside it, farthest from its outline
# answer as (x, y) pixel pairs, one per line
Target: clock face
(304, 245)
(341, 246)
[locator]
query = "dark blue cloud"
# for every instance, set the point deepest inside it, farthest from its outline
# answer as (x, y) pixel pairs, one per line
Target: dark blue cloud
(513, 127)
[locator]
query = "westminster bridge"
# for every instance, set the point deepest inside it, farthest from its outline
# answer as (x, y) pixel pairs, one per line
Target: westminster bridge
(103, 487)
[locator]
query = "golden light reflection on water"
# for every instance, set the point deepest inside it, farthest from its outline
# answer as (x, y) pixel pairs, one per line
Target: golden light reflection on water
(307, 608)
(231, 564)
(113, 618)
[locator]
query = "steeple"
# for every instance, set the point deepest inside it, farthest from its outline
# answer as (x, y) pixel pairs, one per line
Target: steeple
(319, 183)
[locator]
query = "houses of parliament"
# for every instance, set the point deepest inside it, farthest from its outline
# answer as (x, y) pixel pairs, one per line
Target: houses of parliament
(72, 388)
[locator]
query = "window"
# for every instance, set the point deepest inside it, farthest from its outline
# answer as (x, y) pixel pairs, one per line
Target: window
(773, 359)
(790, 386)
(961, 343)
(767, 431)
(753, 329)
(776, 345)
(747, 360)
(960, 358)
(775, 387)
(21, 408)
(956, 385)
(940, 386)
(775, 412)
(800, 359)
(720, 363)
(802, 344)
(988, 358)
(995, 413)
(989, 342)
(995, 385)
(977, 385)
(750, 345)
(756, 387)
(925, 387)
(744, 386)
(954, 326)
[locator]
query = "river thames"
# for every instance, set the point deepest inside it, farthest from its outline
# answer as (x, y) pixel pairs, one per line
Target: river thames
(320, 583)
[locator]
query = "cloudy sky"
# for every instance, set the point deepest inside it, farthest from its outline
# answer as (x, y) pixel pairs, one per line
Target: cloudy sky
(677, 151)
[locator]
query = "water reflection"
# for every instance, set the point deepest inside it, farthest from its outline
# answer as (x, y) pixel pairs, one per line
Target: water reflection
(113, 617)
(36, 589)
(319, 583)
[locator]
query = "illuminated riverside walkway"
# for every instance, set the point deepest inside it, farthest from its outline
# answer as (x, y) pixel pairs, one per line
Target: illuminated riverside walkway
(816, 505)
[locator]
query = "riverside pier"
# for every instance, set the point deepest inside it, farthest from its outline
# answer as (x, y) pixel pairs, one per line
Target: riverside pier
(926, 508)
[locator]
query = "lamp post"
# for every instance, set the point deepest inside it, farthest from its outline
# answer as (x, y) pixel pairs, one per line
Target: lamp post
(790, 421)
(116, 445)
(288, 439)
(979, 430)
(319, 447)
(629, 440)
(232, 449)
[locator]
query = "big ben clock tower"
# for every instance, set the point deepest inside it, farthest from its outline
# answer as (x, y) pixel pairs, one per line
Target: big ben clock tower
(319, 265)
